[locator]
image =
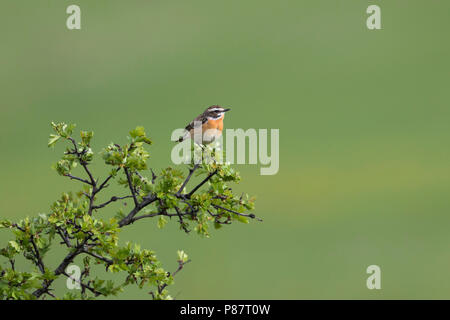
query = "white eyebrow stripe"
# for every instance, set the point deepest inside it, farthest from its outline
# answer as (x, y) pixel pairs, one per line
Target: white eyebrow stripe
(216, 118)
(216, 109)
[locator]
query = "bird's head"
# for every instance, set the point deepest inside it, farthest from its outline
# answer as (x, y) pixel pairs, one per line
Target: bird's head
(215, 112)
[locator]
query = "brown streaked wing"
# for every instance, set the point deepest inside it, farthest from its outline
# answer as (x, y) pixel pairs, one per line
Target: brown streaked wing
(201, 118)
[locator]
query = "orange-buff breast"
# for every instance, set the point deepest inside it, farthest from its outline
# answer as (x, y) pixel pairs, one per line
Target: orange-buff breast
(213, 124)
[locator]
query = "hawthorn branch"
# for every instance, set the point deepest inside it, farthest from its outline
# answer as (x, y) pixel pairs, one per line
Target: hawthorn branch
(181, 265)
(17, 227)
(209, 176)
(37, 256)
(86, 169)
(193, 211)
(88, 243)
(180, 216)
(77, 178)
(104, 184)
(129, 218)
(251, 215)
(162, 213)
(130, 185)
(99, 257)
(153, 176)
(81, 161)
(61, 268)
(191, 172)
(83, 285)
(150, 215)
(74, 143)
(144, 179)
(113, 199)
(12, 262)
(64, 237)
(84, 164)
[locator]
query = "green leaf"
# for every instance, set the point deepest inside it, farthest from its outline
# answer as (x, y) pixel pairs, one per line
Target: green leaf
(182, 256)
(5, 224)
(138, 135)
(242, 219)
(53, 139)
(86, 137)
(162, 222)
(138, 132)
(15, 245)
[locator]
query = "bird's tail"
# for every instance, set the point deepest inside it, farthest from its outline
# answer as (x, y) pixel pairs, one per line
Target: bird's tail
(186, 135)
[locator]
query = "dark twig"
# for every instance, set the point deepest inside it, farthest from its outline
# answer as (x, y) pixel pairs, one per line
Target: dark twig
(193, 211)
(181, 265)
(181, 220)
(103, 185)
(155, 214)
(201, 183)
(153, 176)
(150, 215)
(37, 255)
(113, 199)
(79, 179)
(251, 215)
(18, 228)
(130, 185)
(212, 214)
(64, 238)
(97, 256)
(129, 218)
(83, 285)
(86, 169)
(143, 179)
(82, 162)
(61, 268)
(191, 172)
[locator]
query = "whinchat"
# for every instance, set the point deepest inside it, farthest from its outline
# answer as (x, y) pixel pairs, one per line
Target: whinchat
(211, 123)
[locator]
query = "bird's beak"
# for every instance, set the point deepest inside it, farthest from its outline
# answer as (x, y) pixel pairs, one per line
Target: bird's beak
(225, 110)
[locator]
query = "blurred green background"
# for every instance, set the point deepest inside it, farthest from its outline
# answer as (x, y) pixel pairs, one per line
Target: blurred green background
(363, 117)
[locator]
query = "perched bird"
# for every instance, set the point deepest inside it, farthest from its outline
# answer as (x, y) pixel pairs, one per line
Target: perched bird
(211, 122)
